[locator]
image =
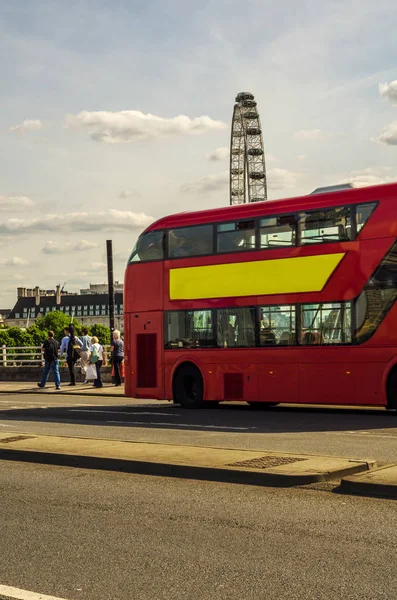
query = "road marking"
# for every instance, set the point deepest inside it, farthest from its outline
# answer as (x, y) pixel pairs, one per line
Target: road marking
(190, 425)
(356, 433)
(121, 412)
(12, 592)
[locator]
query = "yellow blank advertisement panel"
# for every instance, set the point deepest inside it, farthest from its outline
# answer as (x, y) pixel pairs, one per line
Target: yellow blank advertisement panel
(254, 278)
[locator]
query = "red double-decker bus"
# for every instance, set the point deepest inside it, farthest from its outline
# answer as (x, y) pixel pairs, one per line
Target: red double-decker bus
(283, 301)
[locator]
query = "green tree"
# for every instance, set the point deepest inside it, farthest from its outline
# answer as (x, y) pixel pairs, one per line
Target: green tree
(5, 339)
(20, 337)
(56, 321)
(101, 332)
(38, 335)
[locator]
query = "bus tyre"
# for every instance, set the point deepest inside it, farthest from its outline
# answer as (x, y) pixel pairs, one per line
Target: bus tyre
(188, 387)
(391, 390)
(263, 405)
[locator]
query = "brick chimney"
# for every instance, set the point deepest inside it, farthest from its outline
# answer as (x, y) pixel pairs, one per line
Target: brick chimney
(37, 295)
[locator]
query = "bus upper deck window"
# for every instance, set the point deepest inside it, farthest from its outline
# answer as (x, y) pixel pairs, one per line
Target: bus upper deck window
(363, 212)
(149, 246)
(277, 231)
(190, 241)
(325, 226)
(236, 236)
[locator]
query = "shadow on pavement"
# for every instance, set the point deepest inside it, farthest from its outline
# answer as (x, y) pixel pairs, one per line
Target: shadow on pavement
(227, 418)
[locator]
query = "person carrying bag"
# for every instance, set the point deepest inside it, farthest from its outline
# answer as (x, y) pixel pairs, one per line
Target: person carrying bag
(86, 341)
(96, 360)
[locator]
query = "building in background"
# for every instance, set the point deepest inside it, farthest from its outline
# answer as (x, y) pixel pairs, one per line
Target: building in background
(102, 288)
(4, 314)
(88, 308)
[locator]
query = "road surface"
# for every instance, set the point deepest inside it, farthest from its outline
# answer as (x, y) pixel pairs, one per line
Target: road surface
(359, 433)
(92, 535)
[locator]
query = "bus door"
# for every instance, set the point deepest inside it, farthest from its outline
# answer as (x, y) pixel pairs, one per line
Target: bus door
(146, 354)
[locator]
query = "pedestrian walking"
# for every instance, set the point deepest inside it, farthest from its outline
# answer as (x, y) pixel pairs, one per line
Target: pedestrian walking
(117, 349)
(73, 345)
(96, 359)
(64, 342)
(51, 348)
(86, 341)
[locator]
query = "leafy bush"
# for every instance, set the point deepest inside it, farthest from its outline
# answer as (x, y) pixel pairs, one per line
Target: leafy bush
(56, 321)
(101, 332)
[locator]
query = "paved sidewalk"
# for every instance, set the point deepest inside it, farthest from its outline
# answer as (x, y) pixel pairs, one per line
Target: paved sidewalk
(190, 462)
(379, 482)
(81, 389)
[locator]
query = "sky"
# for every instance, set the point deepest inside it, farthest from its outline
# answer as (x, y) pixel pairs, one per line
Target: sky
(113, 114)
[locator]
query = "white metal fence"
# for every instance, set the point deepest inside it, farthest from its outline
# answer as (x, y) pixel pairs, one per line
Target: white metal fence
(29, 356)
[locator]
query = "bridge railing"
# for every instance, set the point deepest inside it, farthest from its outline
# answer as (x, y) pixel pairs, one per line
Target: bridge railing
(30, 356)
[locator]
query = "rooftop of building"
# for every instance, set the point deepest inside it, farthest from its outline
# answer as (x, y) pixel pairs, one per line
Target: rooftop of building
(29, 302)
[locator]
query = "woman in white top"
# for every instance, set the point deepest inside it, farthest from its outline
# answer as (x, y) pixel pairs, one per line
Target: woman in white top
(97, 360)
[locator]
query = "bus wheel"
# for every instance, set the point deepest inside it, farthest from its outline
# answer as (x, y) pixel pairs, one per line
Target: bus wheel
(391, 390)
(188, 387)
(263, 405)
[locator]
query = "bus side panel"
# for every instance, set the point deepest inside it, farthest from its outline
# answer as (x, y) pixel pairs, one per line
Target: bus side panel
(342, 376)
(278, 375)
(143, 287)
(234, 379)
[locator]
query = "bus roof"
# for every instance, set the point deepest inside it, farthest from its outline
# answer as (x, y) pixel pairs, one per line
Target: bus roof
(274, 207)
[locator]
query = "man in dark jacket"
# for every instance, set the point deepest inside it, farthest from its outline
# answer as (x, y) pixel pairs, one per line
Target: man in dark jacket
(51, 348)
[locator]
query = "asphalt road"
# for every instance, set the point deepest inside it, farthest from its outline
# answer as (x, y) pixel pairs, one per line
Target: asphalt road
(92, 535)
(354, 433)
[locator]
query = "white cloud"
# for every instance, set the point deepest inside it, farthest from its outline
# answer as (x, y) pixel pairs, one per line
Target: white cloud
(15, 261)
(83, 245)
(389, 135)
(301, 157)
(209, 183)
(370, 176)
(129, 194)
(93, 268)
(27, 125)
(121, 257)
(313, 134)
(97, 266)
(219, 154)
(129, 125)
(278, 179)
(8, 202)
(389, 91)
(51, 247)
(112, 220)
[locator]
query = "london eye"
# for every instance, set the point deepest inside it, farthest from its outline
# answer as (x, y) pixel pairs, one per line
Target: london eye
(247, 155)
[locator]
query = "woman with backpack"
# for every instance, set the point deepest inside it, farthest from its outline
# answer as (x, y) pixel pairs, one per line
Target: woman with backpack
(97, 360)
(72, 353)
